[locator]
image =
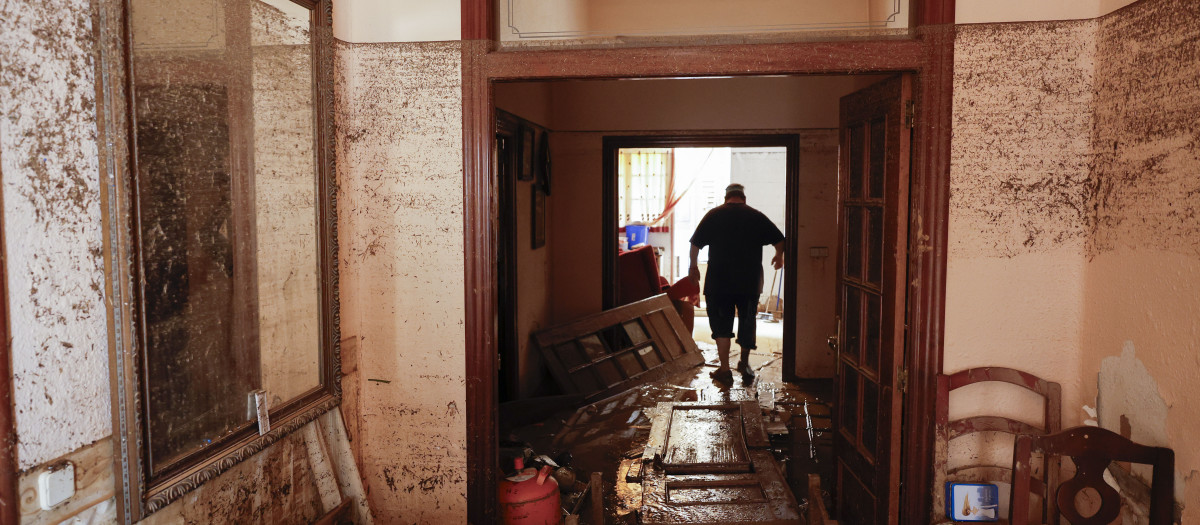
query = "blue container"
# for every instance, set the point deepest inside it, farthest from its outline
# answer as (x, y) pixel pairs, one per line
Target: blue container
(637, 234)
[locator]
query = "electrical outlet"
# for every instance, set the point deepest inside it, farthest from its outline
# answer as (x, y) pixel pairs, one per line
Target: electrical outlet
(56, 485)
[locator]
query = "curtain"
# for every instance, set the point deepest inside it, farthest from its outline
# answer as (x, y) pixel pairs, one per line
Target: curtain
(647, 184)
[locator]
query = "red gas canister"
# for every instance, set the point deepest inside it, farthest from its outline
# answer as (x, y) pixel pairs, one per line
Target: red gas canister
(530, 497)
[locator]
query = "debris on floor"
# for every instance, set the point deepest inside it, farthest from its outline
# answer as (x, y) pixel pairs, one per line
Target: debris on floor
(609, 437)
(709, 463)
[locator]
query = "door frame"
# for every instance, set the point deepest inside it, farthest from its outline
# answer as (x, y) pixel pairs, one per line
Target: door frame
(929, 55)
(718, 139)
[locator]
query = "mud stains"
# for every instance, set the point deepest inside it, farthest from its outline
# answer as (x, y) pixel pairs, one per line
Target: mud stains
(52, 215)
(1147, 137)
(398, 114)
(1021, 154)
(1078, 133)
(278, 485)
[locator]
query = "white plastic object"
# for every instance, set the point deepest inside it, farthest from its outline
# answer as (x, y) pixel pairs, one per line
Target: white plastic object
(56, 485)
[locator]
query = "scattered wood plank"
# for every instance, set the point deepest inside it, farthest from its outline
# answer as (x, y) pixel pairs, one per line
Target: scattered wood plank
(749, 429)
(705, 438)
(597, 489)
(817, 514)
(759, 497)
(710, 463)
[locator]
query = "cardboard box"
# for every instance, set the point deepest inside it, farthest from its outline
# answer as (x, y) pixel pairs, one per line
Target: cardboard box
(972, 501)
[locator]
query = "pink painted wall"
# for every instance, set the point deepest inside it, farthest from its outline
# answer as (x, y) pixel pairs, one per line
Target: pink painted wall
(816, 277)
(400, 176)
(1019, 186)
(1073, 235)
(1018, 195)
(575, 226)
(1141, 323)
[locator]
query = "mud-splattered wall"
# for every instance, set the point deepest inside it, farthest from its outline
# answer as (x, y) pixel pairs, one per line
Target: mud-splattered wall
(1141, 331)
(1019, 197)
(54, 259)
(1074, 236)
(52, 218)
(400, 170)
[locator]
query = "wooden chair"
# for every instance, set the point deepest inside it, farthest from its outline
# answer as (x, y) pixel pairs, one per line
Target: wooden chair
(817, 514)
(1051, 394)
(1092, 449)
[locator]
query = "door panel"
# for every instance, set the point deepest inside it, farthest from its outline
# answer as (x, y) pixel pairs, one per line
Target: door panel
(874, 208)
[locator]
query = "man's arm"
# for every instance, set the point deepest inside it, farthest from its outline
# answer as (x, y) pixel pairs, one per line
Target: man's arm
(694, 269)
(777, 260)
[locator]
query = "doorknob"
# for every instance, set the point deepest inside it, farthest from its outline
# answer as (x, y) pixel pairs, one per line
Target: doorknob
(835, 341)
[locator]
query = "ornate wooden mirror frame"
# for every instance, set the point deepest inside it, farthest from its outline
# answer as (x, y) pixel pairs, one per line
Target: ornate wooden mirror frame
(140, 489)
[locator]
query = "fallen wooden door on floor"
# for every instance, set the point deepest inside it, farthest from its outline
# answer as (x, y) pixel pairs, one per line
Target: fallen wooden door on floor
(614, 350)
(710, 463)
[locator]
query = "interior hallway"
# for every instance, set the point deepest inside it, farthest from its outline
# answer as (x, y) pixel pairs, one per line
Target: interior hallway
(1068, 236)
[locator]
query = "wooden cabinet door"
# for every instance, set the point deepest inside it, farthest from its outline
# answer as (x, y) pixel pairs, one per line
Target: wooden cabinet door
(873, 203)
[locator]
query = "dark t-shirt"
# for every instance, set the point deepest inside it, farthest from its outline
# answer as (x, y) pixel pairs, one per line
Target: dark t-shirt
(735, 234)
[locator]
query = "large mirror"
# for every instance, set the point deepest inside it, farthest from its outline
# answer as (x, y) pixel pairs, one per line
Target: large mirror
(224, 227)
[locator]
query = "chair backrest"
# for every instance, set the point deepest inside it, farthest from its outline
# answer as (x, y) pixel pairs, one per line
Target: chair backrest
(1092, 449)
(1051, 394)
(637, 275)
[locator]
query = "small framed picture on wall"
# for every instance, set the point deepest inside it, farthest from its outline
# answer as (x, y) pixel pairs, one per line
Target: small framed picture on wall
(525, 162)
(542, 165)
(538, 215)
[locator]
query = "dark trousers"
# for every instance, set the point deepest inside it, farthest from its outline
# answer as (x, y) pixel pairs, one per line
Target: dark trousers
(721, 310)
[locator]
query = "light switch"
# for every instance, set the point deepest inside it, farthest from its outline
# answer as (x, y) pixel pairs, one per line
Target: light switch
(56, 485)
(818, 251)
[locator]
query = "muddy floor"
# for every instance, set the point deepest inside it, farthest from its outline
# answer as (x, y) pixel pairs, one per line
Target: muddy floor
(605, 436)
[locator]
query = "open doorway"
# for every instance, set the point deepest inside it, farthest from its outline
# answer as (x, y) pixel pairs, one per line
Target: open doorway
(663, 192)
(664, 185)
(583, 223)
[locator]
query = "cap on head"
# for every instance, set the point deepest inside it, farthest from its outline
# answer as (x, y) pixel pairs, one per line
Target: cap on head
(735, 190)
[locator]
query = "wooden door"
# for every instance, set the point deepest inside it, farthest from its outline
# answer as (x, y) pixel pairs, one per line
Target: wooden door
(712, 463)
(873, 203)
(607, 353)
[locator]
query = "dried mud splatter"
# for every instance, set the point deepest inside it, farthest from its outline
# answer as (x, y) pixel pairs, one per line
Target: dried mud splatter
(1078, 134)
(1147, 139)
(1021, 152)
(400, 169)
(51, 187)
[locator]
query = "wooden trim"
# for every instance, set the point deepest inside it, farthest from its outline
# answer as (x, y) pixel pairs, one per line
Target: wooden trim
(698, 61)
(929, 216)
(9, 503)
(508, 127)
(930, 55)
(933, 12)
(93, 484)
(479, 248)
(791, 272)
(477, 20)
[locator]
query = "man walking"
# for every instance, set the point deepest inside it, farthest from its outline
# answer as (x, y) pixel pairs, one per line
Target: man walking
(735, 234)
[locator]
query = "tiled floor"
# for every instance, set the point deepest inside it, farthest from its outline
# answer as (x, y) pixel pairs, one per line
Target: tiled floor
(602, 436)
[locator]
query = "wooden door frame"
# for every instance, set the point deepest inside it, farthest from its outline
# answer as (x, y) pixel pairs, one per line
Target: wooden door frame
(10, 505)
(746, 139)
(930, 55)
(506, 280)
